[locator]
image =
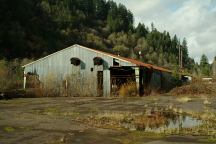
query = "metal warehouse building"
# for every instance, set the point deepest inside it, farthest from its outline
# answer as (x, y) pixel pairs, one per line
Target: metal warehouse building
(85, 71)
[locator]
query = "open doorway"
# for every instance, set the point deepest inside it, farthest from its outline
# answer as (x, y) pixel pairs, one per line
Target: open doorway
(100, 83)
(121, 76)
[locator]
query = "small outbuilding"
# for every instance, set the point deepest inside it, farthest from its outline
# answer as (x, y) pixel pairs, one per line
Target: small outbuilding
(89, 72)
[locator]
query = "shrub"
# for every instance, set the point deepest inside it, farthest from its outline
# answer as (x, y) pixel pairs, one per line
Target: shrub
(184, 99)
(79, 87)
(51, 86)
(121, 50)
(194, 88)
(32, 81)
(128, 90)
(11, 75)
(9, 129)
(3, 75)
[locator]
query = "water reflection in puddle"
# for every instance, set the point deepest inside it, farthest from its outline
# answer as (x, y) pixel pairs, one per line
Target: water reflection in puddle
(160, 121)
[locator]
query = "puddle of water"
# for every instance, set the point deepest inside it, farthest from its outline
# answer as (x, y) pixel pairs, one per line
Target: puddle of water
(160, 122)
(187, 122)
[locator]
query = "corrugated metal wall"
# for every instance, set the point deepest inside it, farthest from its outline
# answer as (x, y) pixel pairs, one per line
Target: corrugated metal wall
(167, 81)
(155, 82)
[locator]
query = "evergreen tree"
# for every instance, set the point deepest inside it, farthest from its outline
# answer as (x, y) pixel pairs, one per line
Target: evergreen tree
(186, 62)
(204, 65)
(101, 9)
(119, 18)
(174, 45)
(141, 31)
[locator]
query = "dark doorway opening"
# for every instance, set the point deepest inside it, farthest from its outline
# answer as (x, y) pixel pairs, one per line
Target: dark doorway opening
(121, 76)
(100, 83)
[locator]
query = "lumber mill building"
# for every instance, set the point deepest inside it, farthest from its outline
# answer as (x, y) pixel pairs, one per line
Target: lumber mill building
(88, 72)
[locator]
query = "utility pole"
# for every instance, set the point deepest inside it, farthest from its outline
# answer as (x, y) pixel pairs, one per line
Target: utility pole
(179, 57)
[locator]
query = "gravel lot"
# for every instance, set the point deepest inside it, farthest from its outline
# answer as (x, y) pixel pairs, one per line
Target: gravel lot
(57, 120)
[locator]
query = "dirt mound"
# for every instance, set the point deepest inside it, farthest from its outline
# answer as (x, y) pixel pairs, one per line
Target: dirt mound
(194, 89)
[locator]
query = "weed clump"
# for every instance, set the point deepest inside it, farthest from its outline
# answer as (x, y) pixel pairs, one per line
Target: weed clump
(128, 90)
(11, 74)
(184, 99)
(9, 129)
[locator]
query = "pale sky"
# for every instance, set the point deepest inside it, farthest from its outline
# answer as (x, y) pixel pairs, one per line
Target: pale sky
(193, 19)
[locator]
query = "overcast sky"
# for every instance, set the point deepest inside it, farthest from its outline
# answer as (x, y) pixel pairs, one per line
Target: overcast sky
(193, 19)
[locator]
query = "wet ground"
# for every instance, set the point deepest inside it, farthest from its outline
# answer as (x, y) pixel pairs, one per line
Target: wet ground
(151, 120)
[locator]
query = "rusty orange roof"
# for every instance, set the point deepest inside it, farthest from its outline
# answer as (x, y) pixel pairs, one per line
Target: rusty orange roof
(136, 62)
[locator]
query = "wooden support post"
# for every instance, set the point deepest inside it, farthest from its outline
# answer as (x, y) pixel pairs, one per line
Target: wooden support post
(181, 58)
(141, 81)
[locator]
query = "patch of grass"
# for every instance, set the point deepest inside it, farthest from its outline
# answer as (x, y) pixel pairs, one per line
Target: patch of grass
(113, 115)
(184, 99)
(137, 137)
(9, 129)
(208, 140)
(51, 111)
(211, 140)
(150, 135)
(94, 109)
(207, 102)
(71, 114)
(128, 90)
(5, 102)
(25, 128)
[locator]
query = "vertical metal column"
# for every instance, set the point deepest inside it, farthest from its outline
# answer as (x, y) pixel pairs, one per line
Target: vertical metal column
(24, 80)
(137, 76)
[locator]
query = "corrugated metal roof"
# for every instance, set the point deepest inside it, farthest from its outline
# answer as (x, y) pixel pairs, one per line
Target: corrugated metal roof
(129, 60)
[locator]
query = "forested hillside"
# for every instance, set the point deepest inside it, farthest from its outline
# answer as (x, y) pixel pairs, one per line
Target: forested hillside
(35, 28)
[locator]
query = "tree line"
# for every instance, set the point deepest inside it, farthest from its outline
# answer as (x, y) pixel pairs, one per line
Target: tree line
(35, 28)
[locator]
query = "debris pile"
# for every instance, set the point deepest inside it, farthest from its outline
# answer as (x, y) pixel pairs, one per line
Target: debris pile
(194, 88)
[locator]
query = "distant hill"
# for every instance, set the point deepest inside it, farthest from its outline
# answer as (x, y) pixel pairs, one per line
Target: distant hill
(35, 28)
